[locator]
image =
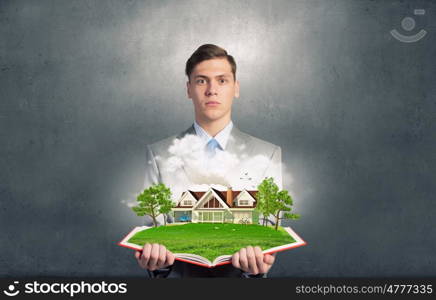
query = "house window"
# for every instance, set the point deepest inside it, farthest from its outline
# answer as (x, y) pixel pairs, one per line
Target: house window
(243, 202)
(209, 216)
(212, 203)
(187, 203)
(217, 216)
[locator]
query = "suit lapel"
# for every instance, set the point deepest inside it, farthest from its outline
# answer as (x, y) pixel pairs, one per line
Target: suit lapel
(190, 130)
(238, 143)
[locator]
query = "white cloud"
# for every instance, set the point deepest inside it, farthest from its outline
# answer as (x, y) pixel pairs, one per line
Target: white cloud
(225, 169)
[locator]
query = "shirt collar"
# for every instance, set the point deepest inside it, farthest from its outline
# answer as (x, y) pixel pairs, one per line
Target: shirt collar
(222, 137)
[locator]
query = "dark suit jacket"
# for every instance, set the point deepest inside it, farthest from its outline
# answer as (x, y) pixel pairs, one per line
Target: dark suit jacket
(185, 270)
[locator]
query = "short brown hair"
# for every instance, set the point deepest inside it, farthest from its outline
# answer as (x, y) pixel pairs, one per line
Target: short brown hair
(206, 52)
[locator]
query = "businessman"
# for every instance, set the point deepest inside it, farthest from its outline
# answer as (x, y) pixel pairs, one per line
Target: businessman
(212, 86)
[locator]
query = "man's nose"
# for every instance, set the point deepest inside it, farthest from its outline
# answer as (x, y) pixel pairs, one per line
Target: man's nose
(211, 89)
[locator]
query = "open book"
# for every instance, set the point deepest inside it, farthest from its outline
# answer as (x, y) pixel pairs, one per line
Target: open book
(218, 261)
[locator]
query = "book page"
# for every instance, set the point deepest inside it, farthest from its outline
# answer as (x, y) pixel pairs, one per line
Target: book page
(193, 257)
(298, 242)
(124, 242)
(222, 258)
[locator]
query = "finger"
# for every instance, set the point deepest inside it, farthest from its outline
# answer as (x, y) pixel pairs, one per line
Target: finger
(252, 267)
(261, 266)
(162, 257)
(243, 259)
(146, 249)
(235, 260)
(154, 255)
(145, 255)
(269, 259)
(170, 258)
(138, 258)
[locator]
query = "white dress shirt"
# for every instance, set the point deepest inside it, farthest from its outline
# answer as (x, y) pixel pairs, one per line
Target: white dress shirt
(221, 137)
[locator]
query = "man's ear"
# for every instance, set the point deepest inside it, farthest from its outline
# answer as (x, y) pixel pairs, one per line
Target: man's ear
(188, 92)
(237, 89)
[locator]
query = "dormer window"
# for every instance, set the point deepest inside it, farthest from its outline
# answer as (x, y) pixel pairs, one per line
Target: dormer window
(187, 203)
(243, 202)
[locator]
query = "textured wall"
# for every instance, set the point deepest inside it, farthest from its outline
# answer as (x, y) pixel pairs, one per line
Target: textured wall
(85, 85)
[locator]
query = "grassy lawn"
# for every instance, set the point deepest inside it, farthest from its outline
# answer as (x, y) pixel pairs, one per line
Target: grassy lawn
(211, 240)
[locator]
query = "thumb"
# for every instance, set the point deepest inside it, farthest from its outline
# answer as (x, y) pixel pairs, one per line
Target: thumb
(268, 259)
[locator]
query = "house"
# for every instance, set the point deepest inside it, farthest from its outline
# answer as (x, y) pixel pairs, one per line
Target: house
(217, 207)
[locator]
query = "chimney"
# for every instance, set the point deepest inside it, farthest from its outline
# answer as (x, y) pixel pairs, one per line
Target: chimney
(229, 198)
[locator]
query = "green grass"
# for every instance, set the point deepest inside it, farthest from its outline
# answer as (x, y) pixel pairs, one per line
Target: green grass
(211, 240)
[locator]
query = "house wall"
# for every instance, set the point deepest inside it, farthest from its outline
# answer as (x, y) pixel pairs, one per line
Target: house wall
(245, 196)
(240, 215)
(178, 214)
(194, 217)
(228, 217)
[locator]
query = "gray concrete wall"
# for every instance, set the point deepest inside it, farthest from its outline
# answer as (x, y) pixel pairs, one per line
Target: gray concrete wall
(85, 85)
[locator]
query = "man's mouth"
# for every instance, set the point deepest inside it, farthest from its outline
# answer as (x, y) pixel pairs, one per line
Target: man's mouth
(212, 103)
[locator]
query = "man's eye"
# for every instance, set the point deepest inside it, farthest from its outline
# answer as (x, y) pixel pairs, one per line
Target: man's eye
(200, 81)
(222, 80)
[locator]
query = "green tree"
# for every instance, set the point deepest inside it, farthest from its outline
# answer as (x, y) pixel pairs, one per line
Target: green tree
(283, 203)
(165, 208)
(271, 201)
(154, 201)
(267, 194)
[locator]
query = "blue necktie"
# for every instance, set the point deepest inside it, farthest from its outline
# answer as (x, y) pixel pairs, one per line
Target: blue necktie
(211, 147)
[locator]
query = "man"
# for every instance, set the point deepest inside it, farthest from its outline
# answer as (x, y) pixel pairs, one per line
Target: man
(212, 86)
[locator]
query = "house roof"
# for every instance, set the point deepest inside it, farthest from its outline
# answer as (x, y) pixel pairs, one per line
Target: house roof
(222, 195)
(197, 195)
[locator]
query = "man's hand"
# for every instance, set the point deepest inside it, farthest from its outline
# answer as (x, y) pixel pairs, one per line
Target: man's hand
(252, 260)
(154, 256)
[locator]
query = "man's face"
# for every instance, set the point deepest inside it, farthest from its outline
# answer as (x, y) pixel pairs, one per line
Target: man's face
(212, 88)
